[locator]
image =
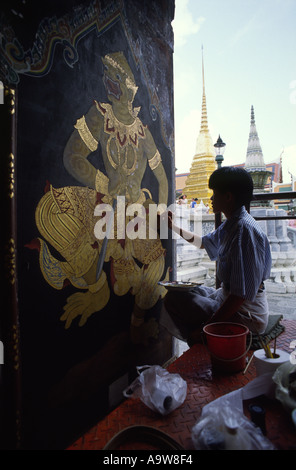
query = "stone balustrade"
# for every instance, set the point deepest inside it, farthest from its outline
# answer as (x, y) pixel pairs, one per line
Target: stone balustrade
(194, 265)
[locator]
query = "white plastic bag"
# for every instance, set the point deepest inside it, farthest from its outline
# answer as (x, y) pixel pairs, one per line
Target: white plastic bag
(223, 426)
(285, 380)
(160, 390)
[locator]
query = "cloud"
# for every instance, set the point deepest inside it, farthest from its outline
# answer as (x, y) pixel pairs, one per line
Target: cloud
(185, 24)
(241, 33)
(289, 162)
(185, 140)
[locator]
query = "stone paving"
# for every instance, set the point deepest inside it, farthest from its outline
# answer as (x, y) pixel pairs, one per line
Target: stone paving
(284, 304)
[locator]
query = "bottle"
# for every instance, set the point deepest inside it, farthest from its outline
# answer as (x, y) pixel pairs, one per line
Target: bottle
(257, 414)
(236, 439)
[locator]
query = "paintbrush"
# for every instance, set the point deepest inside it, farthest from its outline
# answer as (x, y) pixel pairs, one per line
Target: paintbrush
(269, 353)
(249, 362)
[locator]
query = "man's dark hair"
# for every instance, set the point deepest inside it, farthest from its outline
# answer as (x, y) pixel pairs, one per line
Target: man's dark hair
(235, 180)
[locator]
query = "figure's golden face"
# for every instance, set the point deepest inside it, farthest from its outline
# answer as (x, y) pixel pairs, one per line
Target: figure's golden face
(117, 80)
(112, 81)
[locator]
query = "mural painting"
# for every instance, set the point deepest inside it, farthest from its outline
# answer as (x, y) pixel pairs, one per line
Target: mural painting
(65, 216)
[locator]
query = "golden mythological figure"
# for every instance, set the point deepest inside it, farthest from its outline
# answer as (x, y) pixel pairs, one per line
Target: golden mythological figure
(65, 216)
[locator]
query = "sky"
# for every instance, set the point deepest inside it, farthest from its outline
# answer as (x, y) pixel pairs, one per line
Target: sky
(249, 49)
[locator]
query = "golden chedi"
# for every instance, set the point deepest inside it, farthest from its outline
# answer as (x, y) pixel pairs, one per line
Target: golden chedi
(203, 163)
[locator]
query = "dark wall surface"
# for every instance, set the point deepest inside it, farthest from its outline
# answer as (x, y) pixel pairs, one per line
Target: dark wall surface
(51, 56)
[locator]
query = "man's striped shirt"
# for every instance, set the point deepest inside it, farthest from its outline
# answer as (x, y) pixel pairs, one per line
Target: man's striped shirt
(242, 252)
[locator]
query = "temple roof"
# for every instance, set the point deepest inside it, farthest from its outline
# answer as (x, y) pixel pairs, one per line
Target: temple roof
(254, 160)
(254, 157)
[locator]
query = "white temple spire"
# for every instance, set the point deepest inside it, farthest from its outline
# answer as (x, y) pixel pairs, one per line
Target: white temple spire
(254, 158)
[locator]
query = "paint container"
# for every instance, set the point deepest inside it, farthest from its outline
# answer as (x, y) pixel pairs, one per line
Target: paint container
(265, 365)
(227, 345)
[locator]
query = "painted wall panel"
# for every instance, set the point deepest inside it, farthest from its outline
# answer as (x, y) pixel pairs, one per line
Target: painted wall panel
(94, 121)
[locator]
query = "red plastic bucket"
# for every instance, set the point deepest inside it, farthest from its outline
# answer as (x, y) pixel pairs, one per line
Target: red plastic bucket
(227, 344)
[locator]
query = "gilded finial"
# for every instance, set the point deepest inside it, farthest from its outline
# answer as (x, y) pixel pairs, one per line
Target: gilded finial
(204, 117)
